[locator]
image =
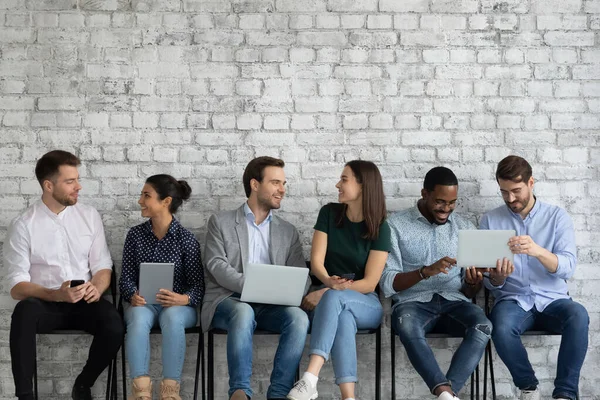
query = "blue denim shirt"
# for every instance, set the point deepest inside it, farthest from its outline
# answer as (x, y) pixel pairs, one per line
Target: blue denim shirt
(531, 284)
(416, 242)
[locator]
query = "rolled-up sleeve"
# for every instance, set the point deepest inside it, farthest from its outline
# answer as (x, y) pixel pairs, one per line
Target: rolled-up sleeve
(99, 256)
(16, 254)
(564, 246)
(393, 265)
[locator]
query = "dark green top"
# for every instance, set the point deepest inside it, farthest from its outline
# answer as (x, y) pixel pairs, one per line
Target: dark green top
(347, 250)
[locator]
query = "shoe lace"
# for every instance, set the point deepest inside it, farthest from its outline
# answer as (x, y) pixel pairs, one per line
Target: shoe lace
(169, 391)
(301, 386)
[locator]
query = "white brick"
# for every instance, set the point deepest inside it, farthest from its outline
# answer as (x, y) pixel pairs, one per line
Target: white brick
(327, 21)
(302, 122)
(249, 122)
(96, 120)
(276, 122)
(359, 121)
(120, 120)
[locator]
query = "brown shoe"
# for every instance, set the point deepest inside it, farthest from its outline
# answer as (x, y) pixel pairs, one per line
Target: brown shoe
(169, 390)
(239, 395)
(141, 388)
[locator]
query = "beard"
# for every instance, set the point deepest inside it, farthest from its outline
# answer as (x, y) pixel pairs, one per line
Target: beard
(518, 205)
(64, 200)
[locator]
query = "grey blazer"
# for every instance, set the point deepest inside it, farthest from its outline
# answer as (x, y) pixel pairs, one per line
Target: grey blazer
(226, 255)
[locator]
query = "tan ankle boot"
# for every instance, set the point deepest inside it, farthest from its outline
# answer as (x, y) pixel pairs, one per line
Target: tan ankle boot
(169, 390)
(141, 388)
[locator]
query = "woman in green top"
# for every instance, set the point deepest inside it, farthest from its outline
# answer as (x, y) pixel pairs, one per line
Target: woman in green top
(350, 246)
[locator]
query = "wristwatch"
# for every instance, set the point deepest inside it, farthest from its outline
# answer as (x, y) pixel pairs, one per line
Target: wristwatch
(421, 274)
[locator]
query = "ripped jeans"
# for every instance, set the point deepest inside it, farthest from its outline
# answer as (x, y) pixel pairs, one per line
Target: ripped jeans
(412, 320)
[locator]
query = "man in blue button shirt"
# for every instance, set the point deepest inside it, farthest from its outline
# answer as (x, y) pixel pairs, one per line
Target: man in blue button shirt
(428, 291)
(536, 295)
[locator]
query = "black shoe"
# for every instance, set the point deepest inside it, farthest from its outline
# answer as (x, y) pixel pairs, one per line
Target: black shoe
(81, 392)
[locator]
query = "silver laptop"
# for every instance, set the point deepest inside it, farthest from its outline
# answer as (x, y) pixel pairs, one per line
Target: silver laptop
(153, 277)
(274, 284)
(482, 248)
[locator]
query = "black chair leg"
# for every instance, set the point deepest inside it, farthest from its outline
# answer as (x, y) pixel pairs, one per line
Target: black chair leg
(211, 367)
(123, 370)
(108, 380)
(35, 377)
(485, 370)
(393, 357)
(492, 379)
(477, 382)
(378, 363)
(196, 377)
(472, 386)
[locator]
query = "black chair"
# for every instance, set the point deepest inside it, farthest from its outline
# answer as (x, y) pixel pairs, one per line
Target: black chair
(432, 335)
(111, 382)
(488, 354)
(156, 331)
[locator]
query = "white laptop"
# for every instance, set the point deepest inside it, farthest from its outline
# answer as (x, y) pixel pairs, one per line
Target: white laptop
(274, 284)
(482, 248)
(153, 277)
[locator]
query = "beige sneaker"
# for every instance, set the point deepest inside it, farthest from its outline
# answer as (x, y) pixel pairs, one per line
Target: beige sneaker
(141, 388)
(169, 390)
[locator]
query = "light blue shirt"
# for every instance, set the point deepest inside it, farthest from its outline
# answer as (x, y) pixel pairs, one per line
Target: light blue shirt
(258, 237)
(416, 242)
(531, 284)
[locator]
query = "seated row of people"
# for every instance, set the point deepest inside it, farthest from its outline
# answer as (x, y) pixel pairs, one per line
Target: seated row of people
(58, 240)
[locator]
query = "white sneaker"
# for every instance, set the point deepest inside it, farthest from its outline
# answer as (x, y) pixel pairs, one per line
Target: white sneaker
(530, 394)
(447, 396)
(303, 390)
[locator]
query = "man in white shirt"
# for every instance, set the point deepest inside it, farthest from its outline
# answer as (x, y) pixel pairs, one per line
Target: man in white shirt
(49, 247)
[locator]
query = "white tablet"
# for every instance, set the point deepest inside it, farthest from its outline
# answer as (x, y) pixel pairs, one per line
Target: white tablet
(482, 248)
(153, 277)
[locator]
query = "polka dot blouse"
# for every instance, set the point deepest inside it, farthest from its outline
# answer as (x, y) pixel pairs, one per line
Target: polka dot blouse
(179, 246)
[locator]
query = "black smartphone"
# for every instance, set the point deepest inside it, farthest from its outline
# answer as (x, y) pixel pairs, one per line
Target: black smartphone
(350, 277)
(77, 282)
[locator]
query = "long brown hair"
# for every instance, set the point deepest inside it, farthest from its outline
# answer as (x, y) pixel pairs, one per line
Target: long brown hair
(373, 199)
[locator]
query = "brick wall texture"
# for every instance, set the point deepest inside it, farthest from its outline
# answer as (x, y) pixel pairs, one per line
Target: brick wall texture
(196, 88)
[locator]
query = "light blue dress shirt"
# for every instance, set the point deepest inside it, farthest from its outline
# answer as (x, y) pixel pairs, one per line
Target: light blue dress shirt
(416, 242)
(531, 284)
(258, 237)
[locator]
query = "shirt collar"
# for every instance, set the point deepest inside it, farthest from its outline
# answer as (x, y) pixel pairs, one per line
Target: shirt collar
(60, 216)
(416, 215)
(252, 218)
(173, 227)
(532, 212)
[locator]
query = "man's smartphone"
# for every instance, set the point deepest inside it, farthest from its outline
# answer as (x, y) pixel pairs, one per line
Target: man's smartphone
(76, 282)
(350, 277)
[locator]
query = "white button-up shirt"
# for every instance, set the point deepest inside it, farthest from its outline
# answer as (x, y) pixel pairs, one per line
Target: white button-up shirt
(48, 249)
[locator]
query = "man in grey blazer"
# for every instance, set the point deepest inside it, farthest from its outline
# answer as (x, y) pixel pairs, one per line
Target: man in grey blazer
(253, 234)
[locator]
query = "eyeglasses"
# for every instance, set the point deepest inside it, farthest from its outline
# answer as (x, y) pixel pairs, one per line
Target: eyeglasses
(442, 203)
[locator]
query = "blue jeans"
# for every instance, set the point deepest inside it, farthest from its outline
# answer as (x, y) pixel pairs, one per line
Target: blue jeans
(172, 322)
(240, 320)
(336, 319)
(412, 320)
(564, 317)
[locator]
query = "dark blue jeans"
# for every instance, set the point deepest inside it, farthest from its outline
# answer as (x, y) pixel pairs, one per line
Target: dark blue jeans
(564, 317)
(411, 321)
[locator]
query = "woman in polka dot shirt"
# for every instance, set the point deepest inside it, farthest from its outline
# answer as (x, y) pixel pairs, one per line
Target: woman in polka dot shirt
(161, 239)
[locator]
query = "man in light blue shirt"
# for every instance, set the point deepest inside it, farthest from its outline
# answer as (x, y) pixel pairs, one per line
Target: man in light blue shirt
(536, 295)
(428, 290)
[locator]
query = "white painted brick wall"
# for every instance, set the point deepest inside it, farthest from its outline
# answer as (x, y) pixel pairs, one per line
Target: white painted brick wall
(196, 88)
